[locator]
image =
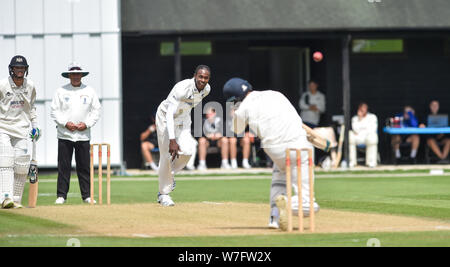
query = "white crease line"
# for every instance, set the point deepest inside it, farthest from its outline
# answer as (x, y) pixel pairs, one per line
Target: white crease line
(142, 236)
(440, 227)
(214, 203)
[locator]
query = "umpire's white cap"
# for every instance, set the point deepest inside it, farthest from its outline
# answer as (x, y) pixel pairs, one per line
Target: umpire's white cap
(74, 68)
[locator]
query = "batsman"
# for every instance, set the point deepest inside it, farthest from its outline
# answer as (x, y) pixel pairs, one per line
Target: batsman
(18, 122)
(272, 117)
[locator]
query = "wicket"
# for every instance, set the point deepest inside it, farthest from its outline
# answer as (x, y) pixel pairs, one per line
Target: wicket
(100, 174)
(299, 185)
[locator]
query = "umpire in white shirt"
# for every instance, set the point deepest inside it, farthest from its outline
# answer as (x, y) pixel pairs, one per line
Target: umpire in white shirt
(75, 109)
(312, 104)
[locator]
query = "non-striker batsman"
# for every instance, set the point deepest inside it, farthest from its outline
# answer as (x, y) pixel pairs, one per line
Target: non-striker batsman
(18, 122)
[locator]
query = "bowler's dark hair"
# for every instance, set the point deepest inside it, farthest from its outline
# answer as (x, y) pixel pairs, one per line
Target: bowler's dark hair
(202, 67)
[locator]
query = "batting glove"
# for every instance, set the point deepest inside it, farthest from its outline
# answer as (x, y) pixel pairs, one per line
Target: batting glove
(35, 134)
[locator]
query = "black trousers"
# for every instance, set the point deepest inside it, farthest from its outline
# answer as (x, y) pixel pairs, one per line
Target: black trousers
(82, 159)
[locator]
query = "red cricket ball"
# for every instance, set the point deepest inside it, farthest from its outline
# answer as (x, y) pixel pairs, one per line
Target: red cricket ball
(317, 56)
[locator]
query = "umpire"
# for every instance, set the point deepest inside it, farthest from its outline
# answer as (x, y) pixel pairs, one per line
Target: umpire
(75, 109)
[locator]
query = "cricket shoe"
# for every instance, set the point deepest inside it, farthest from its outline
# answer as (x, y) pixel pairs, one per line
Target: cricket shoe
(281, 202)
(60, 201)
(165, 200)
(273, 224)
(7, 203)
(225, 165)
(202, 167)
(190, 167)
(88, 200)
(17, 205)
(246, 165)
(306, 209)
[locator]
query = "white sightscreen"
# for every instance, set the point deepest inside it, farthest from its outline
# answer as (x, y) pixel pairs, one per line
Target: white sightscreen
(53, 33)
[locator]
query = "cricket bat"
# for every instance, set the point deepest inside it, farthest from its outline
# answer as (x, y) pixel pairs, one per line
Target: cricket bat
(33, 176)
(341, 142)
(317, 140)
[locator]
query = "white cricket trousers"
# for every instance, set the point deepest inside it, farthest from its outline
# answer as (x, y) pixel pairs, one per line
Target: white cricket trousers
(371, 142)
(278, 187)
(167, 167)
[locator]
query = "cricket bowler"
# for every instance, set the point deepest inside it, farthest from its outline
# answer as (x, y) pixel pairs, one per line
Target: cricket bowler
(18, 122)
(173, 125)
(272, 117)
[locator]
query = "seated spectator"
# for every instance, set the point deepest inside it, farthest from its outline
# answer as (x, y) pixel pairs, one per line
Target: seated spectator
(213, 136)
(433, 141)
(409, 120)
(245, 143)
(364, 131)
(312, 104)
(149, 141)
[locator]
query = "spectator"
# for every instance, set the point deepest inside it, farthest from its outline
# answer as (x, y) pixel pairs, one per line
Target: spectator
(75, 109)
(312, 104)
(364, 131)
(213, 136)
(245, 143)
(409, 120)
(149, 141)
(433, 141)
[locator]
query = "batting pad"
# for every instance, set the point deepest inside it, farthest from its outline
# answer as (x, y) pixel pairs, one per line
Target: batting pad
(6, 183)
(21, 168)
(6, 156)
(6, 172)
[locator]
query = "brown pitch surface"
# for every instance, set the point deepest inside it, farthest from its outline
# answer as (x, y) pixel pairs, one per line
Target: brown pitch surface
(212, 219)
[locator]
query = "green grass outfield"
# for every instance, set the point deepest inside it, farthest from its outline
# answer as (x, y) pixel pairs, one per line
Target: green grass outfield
(399, 193)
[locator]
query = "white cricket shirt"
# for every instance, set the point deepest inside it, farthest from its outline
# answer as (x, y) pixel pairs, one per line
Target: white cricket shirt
(17, 109)
(366, 125)
(75, 104)
(176, 108)
(271, 116)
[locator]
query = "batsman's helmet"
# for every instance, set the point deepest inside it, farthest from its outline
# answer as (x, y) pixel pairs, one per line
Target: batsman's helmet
(236, 89)
(18, 61)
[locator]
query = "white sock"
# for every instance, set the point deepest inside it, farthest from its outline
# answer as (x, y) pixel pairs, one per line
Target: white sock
(234, 163)
(397, 153)
(202, 162)
(244, 161)
(413, 153)
(225, 162)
